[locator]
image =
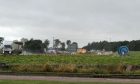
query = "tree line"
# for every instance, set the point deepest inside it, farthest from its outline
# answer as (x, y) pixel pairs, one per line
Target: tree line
(113, 46)
(39, 45)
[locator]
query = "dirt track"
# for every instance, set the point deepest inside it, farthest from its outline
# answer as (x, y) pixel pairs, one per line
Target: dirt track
(68, 79)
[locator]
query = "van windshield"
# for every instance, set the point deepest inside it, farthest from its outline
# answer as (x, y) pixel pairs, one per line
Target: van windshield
(7, 46)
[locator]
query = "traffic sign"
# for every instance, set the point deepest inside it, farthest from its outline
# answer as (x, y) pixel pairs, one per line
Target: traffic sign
(123, 50)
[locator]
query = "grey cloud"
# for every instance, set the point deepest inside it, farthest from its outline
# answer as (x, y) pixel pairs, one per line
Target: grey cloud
(79, 20)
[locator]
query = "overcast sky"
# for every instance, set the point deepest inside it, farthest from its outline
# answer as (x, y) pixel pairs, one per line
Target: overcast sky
(82, 21)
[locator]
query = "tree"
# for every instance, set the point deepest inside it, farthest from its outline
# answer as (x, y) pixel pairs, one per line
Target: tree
(34, 45)
(68, 43)
(113, 46)
(1, 40)
(46, 43)
(62, 46)
(56, 43)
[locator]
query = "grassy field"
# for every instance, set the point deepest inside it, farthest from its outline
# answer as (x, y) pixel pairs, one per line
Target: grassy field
(82, 63)
(132, 59)
(46, 82)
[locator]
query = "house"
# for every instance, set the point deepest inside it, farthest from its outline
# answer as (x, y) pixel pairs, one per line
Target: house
(81, 51)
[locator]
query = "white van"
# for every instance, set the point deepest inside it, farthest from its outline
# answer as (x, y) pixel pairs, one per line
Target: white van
(7, 49)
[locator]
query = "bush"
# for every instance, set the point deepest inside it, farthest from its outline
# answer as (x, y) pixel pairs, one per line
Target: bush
(27, 68)
(65, 68)
(47, 68)
(72, 68)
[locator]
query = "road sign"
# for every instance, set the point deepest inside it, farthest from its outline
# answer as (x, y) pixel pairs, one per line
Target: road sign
(123, 50)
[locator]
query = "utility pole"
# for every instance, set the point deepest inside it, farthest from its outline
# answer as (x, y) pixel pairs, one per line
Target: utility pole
(109, 37)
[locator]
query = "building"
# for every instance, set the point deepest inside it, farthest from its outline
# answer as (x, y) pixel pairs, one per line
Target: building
(72, 48)
(81, 51)
(51, 51)
(17, 45)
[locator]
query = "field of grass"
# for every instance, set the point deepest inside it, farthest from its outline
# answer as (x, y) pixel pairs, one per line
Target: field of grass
(86, 59)
(46, 82)
(82, 63)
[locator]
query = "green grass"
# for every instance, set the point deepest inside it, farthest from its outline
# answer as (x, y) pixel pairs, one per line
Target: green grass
(47, 82)
(132, 59)
(83, 63)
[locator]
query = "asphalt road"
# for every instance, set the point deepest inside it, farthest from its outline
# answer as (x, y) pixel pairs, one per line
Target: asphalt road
(68, 79)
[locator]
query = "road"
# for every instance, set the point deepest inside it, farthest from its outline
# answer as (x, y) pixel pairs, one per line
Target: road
(68, 79)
